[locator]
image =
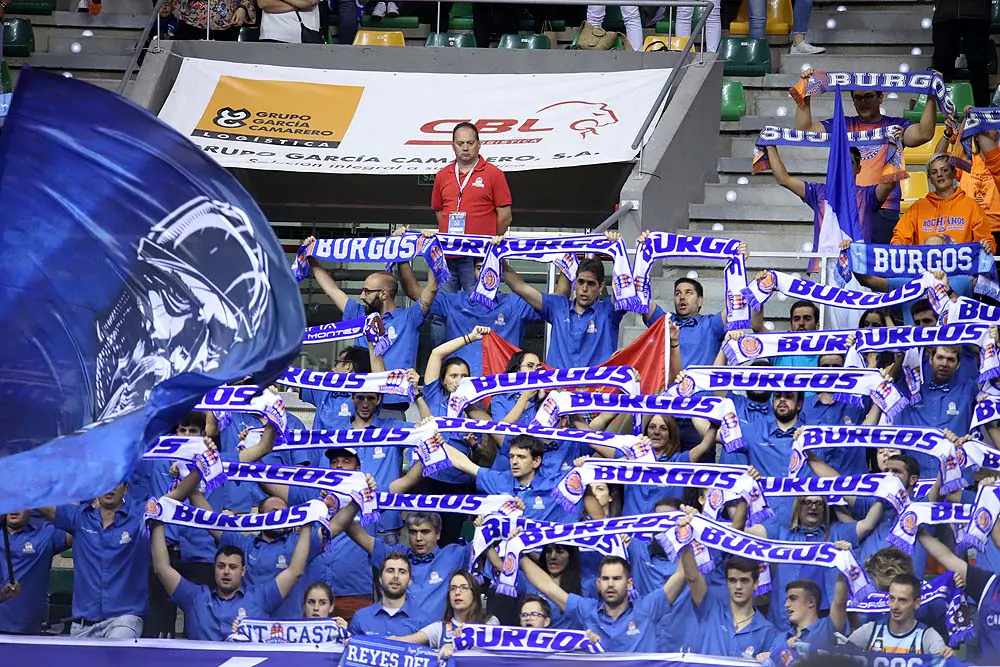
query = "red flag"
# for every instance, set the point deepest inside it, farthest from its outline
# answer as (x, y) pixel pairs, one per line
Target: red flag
(646, 354)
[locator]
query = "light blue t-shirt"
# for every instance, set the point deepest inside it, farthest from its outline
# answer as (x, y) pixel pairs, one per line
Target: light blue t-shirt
(634, 631)
(579, 340)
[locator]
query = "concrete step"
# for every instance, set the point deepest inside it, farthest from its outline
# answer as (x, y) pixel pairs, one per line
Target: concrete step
(801, 168)
(772, 195)
(884, 22)
(738, 210)
(839, 62)
(80, 64)
(868, 37)
(822, 106)
(105, 19)
(752, 125)
(744, 146)
(106, 83)
(91, 46)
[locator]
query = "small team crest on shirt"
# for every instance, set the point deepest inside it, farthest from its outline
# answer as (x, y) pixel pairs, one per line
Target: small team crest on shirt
(29, 548)
(435, 578)
(564, 467)
(539, 505)
(478, 183)
(126, 538)
(344, 410)
(591, 327)
(378, 453)
(282, 564)
(952, 409)
(631, 630)
(847, 420)
(750, 346)
(391, 332)
(500, 321)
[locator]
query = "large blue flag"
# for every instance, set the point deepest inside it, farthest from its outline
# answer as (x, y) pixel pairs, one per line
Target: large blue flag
(135, 275)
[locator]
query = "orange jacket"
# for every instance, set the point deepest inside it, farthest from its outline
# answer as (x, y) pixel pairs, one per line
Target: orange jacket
(983, 185)
(958, 216)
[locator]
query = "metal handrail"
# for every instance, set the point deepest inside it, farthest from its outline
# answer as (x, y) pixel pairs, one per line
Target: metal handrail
(139, 46)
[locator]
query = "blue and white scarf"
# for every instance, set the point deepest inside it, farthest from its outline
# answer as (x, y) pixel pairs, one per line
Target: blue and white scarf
(977, 121)
(965, 311)
(926, 83)
(904, 531)
(891, 136)
(712, 408)
(879, 485)
(371, 327)
(719, 536)
(392, 382)
(759, 291)
(912, 261)
(985, 511)
(450, 504)
(569, 492)
(534, 537)
(471, 390)
(190, 450)
(523, 640)
(660, 245)
(751, 346)
(247, 398)
(543, 250)
(261, 631)
(942, 587)
(168, 510)
(849, 385)
(463, 245)
(388, 249)
(632, 447)
(929, 441)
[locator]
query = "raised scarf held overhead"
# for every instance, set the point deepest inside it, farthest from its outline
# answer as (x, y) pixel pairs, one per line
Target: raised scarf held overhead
(925, 83)
(471, 390)
(912, 261)
(388, 249)
(985, 511)
(929, 441)
(965, 311)
(661, 245)
(904, 531)
(543, 250)
(729, 540)
(978, 120)
(848, 384)
(759, 291)
(168, 510)
(247, 398)
(569, 492)
(891, 136)
(533, 537)
(450, 504)
(750, 346)
(880, 485)
(261, 631)
(713, 408)
(388, 382)
(523, 640)
(190, 450)
(632, 447)
(371, 327)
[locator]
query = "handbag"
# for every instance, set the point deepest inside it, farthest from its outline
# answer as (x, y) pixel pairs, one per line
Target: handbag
(308, 35)
(592, 38)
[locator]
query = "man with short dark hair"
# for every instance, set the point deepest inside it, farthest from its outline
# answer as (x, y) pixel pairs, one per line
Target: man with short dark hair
(396, 614)
(802, 601)
(331, 405)
(802, 316)
(902, 633)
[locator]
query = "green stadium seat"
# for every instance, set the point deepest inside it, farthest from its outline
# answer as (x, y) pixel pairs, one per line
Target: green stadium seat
(396, 23)
(460, 17)
(248, 33)
(462, 40)
(734, 101)
(523, 42)
(18, 38)
(961, 93)
(31, 7)
(745, 56)
(5, 84)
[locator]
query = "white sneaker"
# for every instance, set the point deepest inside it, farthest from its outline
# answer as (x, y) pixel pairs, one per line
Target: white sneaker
(379, 11)
(392, 11)
(804, 48)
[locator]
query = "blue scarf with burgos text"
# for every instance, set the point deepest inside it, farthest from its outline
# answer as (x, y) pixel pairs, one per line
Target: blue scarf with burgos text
(929, 441)
(926, 83)
(849, 385)
(977, 121)
(247, 398)
(760, 290)
(449, 504)
(535, 537)
(712, 408)
(168, 510)
(190, 450)
(904, 531)
(661, 245)
(750, 346)
(543, 250)
(261, 631)
(372, 327)
(388, 249)
(471, 390)
(912, 261)
(371, 651)
(891, 136)
(523, 640)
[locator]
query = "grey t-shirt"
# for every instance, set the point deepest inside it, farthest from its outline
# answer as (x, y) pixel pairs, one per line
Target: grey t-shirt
(874, 636)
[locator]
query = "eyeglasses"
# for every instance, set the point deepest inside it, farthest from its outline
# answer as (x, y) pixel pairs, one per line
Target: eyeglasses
(525, 615)
(459, 588)
(365, 291)
(814, 503)
(867, 97)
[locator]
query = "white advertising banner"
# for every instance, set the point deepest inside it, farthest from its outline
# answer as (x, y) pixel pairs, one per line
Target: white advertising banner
(336, 121)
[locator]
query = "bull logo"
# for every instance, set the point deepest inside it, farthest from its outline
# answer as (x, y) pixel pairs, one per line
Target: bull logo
(594, 115)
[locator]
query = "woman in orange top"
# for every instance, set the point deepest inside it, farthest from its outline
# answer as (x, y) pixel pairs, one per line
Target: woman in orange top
(947, 210)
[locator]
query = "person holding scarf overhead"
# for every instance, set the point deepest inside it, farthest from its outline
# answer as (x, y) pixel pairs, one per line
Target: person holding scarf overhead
(981, 182)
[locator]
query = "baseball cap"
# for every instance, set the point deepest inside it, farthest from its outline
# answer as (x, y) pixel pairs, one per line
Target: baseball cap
(334, 451)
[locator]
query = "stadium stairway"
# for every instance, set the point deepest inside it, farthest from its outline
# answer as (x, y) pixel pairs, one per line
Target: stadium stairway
(859, 35)
(93, 48)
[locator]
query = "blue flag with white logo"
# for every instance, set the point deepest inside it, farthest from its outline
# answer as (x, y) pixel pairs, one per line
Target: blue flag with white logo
(135, 275)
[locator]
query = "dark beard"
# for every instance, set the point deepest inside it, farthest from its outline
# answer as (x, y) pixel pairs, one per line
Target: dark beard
(374, 307)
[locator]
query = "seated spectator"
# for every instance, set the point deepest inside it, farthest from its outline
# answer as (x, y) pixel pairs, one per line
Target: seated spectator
(24, 603)
(228, 16)
(464, 606)
(868, 104)
(290, 21)
(319, 602)
(534, 612)
(396, 614)
(945, 210)
(981, 182)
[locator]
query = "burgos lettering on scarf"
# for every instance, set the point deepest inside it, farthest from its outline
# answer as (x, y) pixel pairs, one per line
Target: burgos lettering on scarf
(523, 640)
